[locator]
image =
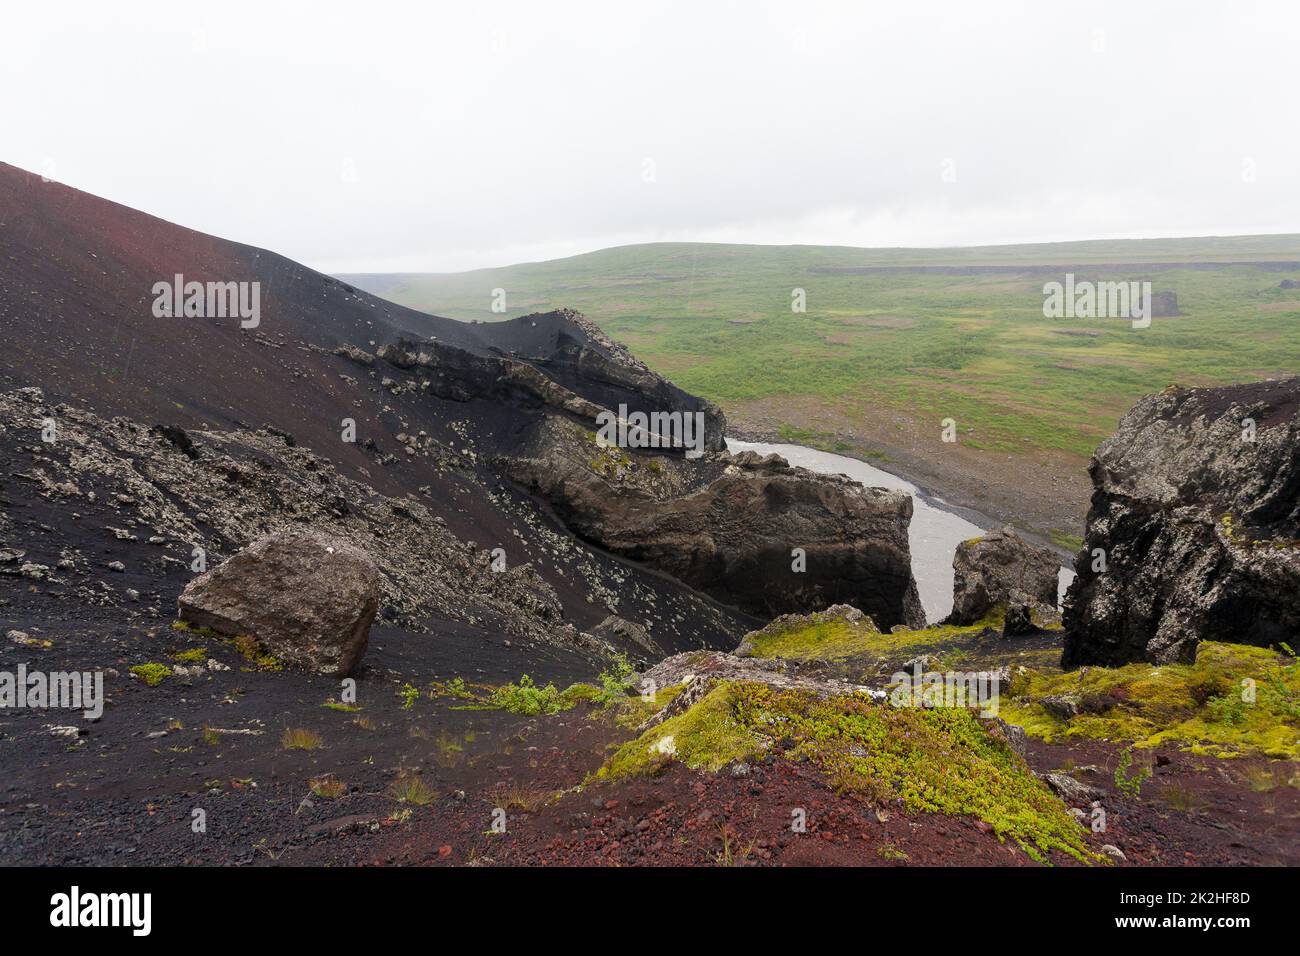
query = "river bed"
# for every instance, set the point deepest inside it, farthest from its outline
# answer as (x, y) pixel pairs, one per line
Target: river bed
(933, 535)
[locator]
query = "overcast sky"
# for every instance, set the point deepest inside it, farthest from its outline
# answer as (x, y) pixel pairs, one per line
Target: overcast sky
(437, 136)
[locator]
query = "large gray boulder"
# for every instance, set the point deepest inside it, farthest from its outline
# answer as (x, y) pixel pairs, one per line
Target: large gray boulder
(1194, 528)
(308, 598)
(1001, 568)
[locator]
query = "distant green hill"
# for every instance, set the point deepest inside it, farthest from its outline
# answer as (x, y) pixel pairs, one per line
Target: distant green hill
(925, 333)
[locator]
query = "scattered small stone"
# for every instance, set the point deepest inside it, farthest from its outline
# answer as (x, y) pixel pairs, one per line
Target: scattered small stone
(36, 572)
(1071, 790)
(1061, 705)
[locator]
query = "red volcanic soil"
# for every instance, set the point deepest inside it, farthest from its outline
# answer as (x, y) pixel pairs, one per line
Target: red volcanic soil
(1194, 814)
(126, 788)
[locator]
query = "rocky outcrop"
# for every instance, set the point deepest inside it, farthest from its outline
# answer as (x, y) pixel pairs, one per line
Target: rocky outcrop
(1019, 620)
(753, 532)
(165, 495)
(308, 598)
(1194, 528)
(1001, 568)
(576, 353)
(556, 359)
(623, 632)
(701, 671)
(846, 613)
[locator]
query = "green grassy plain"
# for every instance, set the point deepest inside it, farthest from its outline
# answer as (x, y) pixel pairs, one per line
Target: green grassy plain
(974, 347)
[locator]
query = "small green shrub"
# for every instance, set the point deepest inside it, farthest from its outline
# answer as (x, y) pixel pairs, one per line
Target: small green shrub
(454, 688)
(151, 674)
(527, 698)
(615, 681)
(1229, 709)
(1130, 786)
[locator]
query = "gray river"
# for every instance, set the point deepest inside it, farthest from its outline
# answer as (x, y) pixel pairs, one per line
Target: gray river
(933, 534)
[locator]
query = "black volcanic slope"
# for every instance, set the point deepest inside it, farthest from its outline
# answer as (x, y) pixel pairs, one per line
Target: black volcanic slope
(76, 278)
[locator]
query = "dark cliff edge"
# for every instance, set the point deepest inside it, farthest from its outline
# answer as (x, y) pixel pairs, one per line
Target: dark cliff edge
(1193, 533)
(408, 406)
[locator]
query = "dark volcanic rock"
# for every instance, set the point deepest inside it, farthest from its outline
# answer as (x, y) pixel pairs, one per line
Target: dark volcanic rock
(1019, 620)
(557, 359)
(1000, 568)
(1196, 510)
(578, 355)
(728, 525)
(628, 633)
(307, 597)
(396, 451)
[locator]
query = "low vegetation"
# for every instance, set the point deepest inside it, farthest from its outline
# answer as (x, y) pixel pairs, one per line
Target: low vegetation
(328, 787)
(1233, 700)
(837, 639)
(939, 760)
(409, 788)
(299, 738)
(248, 647)
(972, 346)
(863, 648)
(341, 707)
(525, 696)
(152, 673)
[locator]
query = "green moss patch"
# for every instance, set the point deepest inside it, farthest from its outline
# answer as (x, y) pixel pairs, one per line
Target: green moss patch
(1205, 707)
(861, 646)
(341, 707)
(837, 640)
(635, 711)
(152, 674)
(187, 628)
(707, 736)
(939, 760)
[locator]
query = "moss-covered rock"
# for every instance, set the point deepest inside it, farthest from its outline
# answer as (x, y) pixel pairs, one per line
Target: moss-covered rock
(1235, 699)
(941, 760)
(849, 644)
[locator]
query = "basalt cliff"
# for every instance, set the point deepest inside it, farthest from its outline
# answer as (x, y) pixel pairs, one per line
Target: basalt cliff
(1193, 533)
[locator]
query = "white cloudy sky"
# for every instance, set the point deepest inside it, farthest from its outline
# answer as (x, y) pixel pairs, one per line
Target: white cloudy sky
(437, 136)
